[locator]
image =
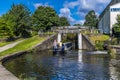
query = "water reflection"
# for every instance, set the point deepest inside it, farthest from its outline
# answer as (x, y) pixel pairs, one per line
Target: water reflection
(71, 66)
(79, 55)
(115, 70)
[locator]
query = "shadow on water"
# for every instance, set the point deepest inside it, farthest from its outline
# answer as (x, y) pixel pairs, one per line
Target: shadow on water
(73, 65)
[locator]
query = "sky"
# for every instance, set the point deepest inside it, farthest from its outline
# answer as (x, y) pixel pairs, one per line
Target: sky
(73, 10)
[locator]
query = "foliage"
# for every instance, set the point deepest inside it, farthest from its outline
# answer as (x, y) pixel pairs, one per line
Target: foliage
(114, 41)
(5, 30)
(44, 18)
(64, 22)
(98, 40)
(17, 21)
(25, 45)
(77, 25)
(99, 44)
(69, 37)
(91, 19)
(116, 28)
(49, 33)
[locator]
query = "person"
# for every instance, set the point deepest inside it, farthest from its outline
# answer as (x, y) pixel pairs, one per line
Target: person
(55, 45)
(63, 48)
(60, 44)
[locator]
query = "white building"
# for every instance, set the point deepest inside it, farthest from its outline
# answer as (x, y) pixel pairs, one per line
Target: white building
(108, 17)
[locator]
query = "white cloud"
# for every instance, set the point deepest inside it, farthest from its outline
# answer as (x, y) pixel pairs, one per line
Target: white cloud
(83, 7)
(103, 1)
(71, 4)
(97, 14)
(66, 13)
(97, 5)
(79, 22)
(93, 4)
(36, 5)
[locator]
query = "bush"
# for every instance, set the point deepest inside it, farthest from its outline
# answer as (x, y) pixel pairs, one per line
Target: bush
(99, 45)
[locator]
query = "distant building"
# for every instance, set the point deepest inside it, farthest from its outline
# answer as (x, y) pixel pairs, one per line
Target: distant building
(108, 17)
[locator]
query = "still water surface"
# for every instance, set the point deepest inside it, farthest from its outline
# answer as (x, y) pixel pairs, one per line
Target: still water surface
(74, 65)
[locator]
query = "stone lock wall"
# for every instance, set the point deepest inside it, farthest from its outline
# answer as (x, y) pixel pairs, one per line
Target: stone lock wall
(86, 44)
(47, 44)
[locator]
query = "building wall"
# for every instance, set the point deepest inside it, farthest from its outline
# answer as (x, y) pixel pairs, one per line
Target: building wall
(104, 23)
(113, 14)
(108, 18)
(100, 24)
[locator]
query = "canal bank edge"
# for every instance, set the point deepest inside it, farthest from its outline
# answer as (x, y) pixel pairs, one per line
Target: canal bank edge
(6, 75)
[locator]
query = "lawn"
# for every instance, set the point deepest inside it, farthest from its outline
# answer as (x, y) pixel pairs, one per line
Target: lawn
(25, 45)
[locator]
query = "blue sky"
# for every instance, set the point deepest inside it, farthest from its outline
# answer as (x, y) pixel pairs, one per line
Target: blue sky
(74, 10)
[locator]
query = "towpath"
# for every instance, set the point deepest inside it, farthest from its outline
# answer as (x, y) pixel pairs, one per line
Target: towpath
(9, 46)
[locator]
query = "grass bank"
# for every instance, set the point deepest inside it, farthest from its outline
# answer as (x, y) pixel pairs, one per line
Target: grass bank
(98, 40)
(3, 43)
(25, 45)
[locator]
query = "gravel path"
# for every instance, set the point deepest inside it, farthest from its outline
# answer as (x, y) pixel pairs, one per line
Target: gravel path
(9, 46)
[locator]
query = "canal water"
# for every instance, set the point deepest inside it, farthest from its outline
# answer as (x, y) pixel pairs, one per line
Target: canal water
(75, 65)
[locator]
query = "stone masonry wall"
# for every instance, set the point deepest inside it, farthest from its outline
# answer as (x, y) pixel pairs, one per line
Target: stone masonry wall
(86, 44)
(47, 44)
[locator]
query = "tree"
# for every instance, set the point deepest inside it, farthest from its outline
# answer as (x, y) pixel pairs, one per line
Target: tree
(18, 20)
(64, 22)
(5, 27)
(116, 28)
(91, 19)
(5, 30)
(77, 25)
(21, 15)
(44, 18)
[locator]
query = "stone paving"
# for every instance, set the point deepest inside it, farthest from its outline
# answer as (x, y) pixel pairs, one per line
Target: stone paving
(6, 75)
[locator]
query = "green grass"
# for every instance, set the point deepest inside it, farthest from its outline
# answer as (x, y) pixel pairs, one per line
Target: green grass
(99, 38)
(49, 33)
(3, 43)
(25, 45)
(98, 41)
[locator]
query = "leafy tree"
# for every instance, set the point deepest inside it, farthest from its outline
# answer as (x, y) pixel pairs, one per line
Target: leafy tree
(77, 25)
(21, 16)
(91, 19)
(44, 18)
(64, 21)
(18, 20)
(5, 29)
(116, 28)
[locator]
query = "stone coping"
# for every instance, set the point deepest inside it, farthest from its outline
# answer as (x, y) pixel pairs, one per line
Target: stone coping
(6, 75)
